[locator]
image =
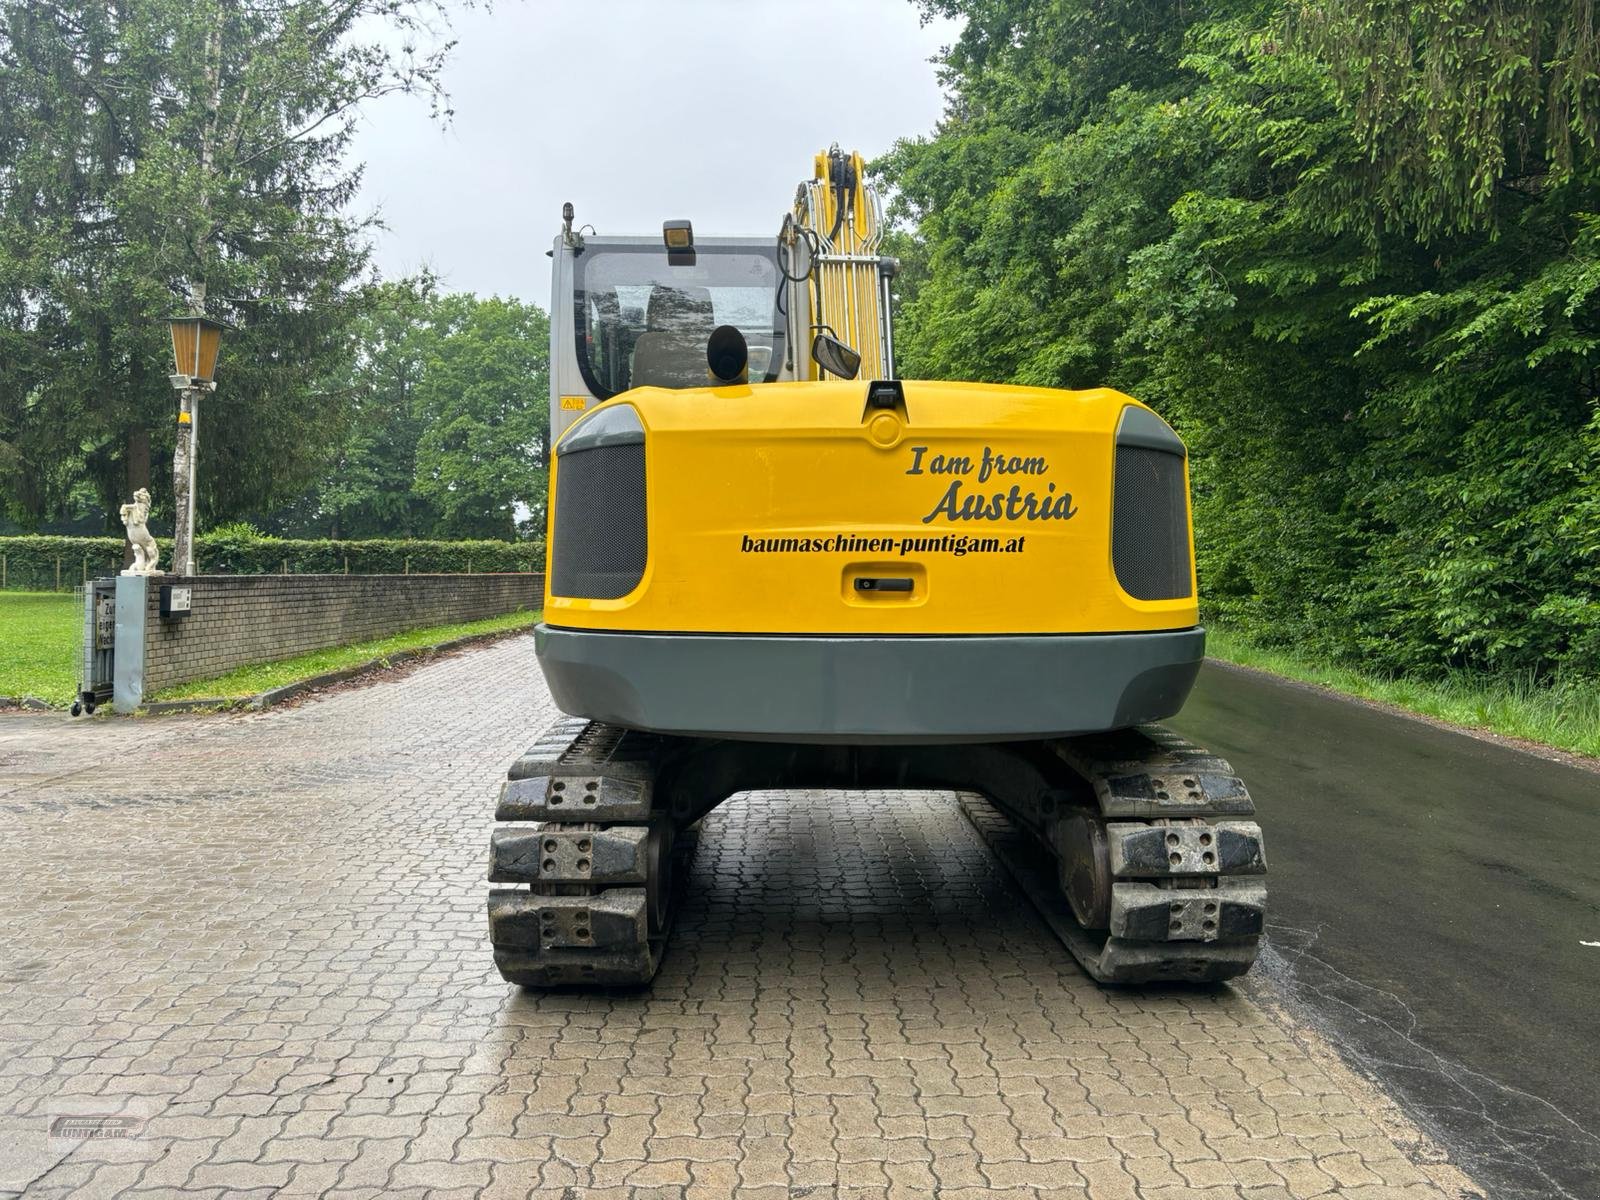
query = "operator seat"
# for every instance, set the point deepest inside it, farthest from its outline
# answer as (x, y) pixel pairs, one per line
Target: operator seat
(672, 350)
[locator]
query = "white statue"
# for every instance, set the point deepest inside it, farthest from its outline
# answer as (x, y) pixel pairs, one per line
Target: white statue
(145, 551)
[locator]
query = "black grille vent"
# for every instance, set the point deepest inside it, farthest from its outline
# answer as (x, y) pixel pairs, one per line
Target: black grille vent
(600, 537)
(1149, 524)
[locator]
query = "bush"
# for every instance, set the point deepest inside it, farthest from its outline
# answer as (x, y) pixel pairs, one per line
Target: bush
(47, 563)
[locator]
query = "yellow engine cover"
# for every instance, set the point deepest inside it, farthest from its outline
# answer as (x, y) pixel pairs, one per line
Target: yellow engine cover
(969, 508)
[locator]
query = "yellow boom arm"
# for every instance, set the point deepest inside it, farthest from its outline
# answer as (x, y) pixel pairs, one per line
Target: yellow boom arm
(840, 218)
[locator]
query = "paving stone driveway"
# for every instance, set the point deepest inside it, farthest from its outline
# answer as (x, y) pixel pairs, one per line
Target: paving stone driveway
(259, 940)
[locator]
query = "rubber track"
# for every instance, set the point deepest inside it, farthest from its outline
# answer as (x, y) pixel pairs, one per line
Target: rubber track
(1198, 917)
(574, 823)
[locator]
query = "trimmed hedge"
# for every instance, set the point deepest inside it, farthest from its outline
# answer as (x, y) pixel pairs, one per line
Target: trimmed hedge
(43, 564)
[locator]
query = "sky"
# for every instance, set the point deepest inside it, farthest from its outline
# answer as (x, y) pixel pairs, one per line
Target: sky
(636, 111)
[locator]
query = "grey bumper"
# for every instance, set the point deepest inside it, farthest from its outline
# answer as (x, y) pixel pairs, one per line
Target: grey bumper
(870, 689)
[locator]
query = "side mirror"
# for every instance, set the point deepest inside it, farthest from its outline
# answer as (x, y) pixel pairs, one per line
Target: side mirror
(834, 357)
(726, 353)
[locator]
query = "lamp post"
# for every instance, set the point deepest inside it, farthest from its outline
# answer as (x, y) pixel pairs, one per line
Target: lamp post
(195, 342)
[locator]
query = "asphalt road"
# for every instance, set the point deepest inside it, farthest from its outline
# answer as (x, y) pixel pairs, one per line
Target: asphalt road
(1431, 894)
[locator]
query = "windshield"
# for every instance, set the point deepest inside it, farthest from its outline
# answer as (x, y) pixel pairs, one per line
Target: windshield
(644, 323)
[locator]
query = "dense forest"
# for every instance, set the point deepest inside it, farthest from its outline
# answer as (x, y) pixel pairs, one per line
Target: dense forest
(1350, 249)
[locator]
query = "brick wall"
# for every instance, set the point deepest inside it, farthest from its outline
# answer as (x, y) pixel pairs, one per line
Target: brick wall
(240, 619)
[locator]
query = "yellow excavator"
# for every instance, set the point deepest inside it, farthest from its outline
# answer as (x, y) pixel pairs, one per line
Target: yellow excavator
(772, 564)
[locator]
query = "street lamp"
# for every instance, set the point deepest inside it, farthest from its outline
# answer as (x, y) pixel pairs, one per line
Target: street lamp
(195, 342)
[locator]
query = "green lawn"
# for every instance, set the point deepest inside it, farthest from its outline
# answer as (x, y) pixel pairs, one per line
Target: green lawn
(261, 677)
(38, 645)
(1566, 716)
(39, 639)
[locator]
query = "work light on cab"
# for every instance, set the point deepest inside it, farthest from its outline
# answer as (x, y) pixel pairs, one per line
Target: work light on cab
(679, 237)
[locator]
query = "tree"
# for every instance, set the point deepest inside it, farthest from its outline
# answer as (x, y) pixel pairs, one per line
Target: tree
(449, 400)
(149, 148)
(1350, 247)
(366, 489)
(485, 393)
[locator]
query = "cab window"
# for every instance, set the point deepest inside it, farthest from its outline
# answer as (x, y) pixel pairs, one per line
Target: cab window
(644, 323)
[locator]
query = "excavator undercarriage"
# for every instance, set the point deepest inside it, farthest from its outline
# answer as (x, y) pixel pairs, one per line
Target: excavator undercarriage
(1158, 866)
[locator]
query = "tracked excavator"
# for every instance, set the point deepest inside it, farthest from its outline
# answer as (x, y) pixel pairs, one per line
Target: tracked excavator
(774, 565)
